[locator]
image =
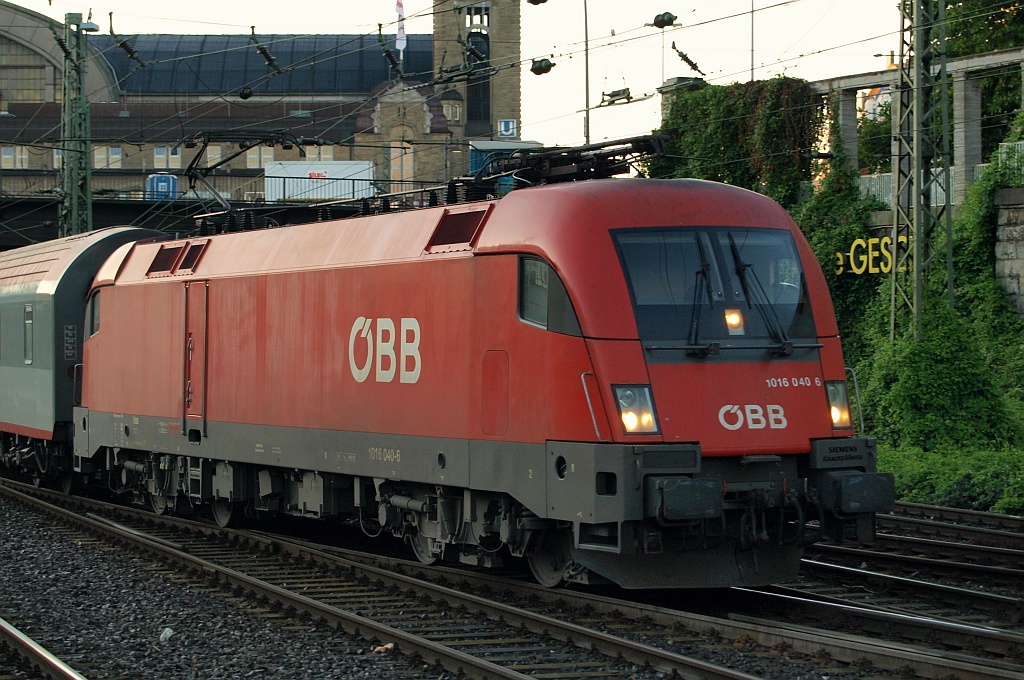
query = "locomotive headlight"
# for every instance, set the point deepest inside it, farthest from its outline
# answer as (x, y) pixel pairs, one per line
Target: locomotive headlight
(838, 403)
(636, 409)
(734, 321)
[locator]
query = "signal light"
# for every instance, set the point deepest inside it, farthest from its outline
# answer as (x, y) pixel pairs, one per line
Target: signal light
(664, 19)
(541, 66)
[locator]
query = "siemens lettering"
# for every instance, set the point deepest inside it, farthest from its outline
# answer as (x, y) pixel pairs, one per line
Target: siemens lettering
(407, 364)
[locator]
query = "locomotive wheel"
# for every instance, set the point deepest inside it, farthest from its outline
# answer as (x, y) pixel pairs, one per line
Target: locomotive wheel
(67, 483)
(551, 557)
(159, 504)
(420, 545)
(223, 512)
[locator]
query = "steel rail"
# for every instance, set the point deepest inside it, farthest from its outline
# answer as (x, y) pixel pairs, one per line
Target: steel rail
(1011, 609)
(35, 654)
(930, 528)
(992, 573)
(953, 515)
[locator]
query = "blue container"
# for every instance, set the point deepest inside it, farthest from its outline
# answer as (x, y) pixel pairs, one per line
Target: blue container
(162, 187)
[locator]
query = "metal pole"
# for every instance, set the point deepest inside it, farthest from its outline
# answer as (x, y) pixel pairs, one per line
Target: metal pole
(586, 75)
(76, 149)
(751, 40)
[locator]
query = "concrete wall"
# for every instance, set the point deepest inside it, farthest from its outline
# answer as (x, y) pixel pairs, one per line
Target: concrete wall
(1010, 245)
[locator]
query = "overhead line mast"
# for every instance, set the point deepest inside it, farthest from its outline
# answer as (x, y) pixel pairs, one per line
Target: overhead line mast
(76, 147)
(921, 160)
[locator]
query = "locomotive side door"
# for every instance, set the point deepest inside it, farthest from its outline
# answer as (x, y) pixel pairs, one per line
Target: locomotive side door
(194, 382)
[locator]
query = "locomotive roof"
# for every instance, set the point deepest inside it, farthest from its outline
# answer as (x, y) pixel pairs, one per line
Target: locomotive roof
(568, 224)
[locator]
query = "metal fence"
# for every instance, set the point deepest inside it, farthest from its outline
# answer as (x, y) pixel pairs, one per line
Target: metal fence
(879, 187)
(165, 186)
(1009, 157)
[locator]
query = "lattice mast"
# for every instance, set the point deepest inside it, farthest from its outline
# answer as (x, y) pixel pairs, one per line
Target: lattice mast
(921, 160)
(76, 151)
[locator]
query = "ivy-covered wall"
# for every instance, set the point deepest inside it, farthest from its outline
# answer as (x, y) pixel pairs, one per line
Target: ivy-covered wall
(758, 135)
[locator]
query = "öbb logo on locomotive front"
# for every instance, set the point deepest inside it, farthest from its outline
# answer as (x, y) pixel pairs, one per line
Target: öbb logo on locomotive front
(732, 417)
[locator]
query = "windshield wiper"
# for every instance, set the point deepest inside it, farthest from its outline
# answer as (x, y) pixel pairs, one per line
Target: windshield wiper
(763, 306)
(699, 291)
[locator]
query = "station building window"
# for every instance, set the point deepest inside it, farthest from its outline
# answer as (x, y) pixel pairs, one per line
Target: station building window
(401, 164)
(106, 157)
(452, 111)
(14, 157)
(319, 153)
(166, 157)
(258, 157)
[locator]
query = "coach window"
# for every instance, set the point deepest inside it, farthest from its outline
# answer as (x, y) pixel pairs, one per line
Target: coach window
(28, 334)
(543, 299)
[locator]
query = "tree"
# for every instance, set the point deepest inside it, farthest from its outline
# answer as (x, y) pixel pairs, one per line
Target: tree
(980, 27)
(874, 139)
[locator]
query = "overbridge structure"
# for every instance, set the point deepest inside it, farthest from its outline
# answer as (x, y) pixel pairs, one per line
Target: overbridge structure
(966, 74)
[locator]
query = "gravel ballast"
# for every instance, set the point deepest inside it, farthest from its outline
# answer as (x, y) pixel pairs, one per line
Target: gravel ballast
(135, 623)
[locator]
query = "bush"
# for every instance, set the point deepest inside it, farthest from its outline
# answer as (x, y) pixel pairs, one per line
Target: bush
(987, 480)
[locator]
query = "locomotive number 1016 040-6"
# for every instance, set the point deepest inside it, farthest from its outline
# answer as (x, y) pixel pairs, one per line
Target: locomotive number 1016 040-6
(385, 455)
(794, 381)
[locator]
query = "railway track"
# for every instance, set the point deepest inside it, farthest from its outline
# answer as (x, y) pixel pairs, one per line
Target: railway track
(1011, 524)
(984, 547)
(27, 658)
(459, 632)
(951, 564)
(596, 623)
(775, 618)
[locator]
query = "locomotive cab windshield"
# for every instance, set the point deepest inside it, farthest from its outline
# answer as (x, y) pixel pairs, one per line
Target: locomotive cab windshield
(700, 288)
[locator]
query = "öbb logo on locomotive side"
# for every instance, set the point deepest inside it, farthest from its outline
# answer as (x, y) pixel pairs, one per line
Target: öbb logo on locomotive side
(756, 417)
(380, 349)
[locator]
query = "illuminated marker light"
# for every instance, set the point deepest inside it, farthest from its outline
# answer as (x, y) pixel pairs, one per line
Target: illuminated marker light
(636, 409)
(838, 403)
(734, 322)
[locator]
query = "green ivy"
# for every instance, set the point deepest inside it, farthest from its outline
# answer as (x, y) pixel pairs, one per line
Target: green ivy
(756, 135)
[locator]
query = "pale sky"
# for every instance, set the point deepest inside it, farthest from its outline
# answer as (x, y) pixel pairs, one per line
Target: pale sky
(811, 39)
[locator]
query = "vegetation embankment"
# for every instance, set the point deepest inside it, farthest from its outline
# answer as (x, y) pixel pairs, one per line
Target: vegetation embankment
(947, 405)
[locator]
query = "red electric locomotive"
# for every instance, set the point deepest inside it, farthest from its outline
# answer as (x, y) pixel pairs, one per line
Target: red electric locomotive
(638, 380)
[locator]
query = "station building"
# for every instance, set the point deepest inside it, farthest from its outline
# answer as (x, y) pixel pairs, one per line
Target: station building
(413, 115)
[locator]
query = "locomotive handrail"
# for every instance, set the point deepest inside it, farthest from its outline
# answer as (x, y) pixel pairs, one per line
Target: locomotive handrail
(856, 392)
(590, 405)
